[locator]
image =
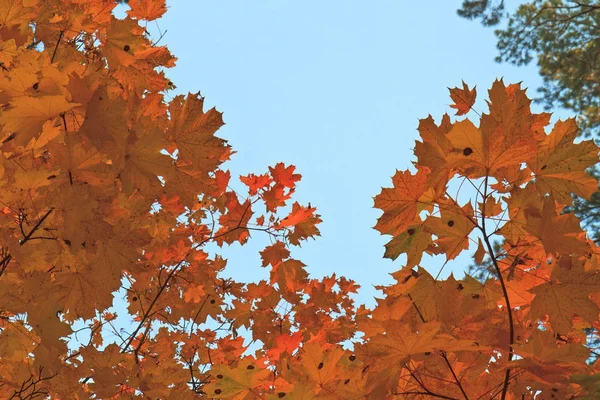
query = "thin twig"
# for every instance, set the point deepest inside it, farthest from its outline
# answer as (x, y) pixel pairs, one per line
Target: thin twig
(511, 329)
(454, 375)
(173, 272)
(28, 236)
(60, 36)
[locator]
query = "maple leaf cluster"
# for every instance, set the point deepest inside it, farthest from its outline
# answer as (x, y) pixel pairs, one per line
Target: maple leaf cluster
(112, 193)
(523, 333)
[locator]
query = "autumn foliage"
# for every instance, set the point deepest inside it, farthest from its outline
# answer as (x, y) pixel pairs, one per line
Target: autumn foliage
(111, 193)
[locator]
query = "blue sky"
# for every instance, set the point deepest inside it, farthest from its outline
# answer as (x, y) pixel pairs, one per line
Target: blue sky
(336, 89)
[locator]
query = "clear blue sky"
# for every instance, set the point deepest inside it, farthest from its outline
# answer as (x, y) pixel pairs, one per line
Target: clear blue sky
(336, 89)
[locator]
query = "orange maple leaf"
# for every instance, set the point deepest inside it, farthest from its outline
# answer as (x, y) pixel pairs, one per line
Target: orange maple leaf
(148, 10)
(298, 215)
(256, 182)
(401, 203)
(285, 176)
(463, 98)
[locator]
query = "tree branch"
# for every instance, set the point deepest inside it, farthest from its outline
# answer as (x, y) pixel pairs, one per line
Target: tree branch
(511, 329)
(35, 228)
